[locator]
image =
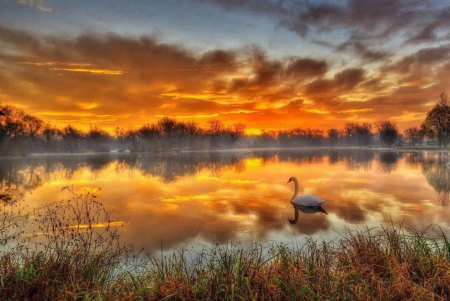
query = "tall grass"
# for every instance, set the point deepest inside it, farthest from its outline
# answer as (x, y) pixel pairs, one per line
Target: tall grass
(71, 257)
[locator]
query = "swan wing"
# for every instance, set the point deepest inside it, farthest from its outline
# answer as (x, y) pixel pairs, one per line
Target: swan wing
(308, 200)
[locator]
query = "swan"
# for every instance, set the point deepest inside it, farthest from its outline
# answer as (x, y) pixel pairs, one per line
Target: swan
(306, 200)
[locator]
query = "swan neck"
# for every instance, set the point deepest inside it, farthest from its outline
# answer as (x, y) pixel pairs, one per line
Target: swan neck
(296, 190)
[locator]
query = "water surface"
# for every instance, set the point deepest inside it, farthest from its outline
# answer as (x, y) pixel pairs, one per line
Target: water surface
(223, 197)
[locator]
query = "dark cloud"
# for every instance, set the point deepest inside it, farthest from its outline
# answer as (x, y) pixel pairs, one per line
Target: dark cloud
(219, 60)
(428, 33)
(373, 21)
(426, 57)
(304, 67)
(354, 44)
(342, 81)
(432, 55)
(425, 35)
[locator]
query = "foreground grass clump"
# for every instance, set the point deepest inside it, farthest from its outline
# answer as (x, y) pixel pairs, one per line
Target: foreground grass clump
(394, 263)
(76, 254)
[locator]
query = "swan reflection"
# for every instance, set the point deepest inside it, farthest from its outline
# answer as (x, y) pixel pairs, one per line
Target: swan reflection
(306, 210)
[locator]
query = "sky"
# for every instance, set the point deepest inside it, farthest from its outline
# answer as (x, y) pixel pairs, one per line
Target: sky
(270, 64)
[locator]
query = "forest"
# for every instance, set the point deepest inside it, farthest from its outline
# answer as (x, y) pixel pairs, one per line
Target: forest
(23, 134)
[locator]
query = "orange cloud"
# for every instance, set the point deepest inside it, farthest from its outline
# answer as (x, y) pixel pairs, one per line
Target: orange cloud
(94, 71)
(242, 85)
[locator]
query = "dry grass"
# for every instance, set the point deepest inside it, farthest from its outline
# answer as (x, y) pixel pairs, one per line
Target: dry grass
(64, 262)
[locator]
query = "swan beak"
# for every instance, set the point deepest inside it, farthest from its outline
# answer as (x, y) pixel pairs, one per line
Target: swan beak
(288, 182)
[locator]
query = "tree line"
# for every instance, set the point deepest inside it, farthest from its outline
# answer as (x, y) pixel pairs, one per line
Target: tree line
(21, 134)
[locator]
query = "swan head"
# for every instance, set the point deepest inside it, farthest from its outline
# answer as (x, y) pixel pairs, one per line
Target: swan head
(291, 179)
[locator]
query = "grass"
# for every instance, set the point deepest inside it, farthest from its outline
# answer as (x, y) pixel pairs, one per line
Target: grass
(69, 258)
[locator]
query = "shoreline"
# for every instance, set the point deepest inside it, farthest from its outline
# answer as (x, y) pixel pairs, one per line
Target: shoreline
(232, 150)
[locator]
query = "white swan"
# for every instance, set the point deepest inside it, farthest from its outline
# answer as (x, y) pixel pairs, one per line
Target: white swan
(306, 200)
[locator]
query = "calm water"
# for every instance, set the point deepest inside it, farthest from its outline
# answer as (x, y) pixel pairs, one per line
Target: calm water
(222, 197)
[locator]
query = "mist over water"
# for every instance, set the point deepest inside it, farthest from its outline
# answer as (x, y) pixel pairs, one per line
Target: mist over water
(204, 197)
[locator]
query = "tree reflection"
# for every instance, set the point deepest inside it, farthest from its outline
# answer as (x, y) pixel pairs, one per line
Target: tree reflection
(30, 173)
(389, 161)
(354, 159)
(437, 173)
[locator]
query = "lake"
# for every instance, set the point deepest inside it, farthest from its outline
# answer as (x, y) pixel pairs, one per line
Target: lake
(199, 198)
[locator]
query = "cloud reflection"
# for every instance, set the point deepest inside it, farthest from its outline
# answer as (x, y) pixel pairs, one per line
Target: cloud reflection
(228, 196)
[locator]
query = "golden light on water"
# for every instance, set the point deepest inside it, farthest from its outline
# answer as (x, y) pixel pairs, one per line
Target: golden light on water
(221, 200)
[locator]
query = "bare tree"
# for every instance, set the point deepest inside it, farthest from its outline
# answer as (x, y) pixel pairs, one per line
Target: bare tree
(11, 124)
(72, 136)
(237, 132)
(414, 136)
(215, 127)
(438, 120)
(364, 133)
(32, 125)
(50, 133)
(333, 136)
(387, 132)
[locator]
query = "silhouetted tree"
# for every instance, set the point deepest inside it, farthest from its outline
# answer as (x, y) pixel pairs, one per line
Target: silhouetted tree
(32, 125)
(300, 137)
(50, 133)
(350, 131)
(11, 124)
(150, 135)
(72, 137)
(130, 138)
(20, 129)
(355, 133)
(193, 129)
(364, 134)
(414, 136)
(237, 132)
(438, 120)
(387, 132)
(216, 129)
(196, 136)
(333, 136)
(266, 139)
(98, 139)
(167, 126)
(428, 133)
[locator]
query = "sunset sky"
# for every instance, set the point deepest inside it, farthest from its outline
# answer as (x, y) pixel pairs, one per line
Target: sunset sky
(270, 64)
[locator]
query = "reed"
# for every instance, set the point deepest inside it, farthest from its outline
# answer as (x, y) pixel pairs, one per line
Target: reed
(71, 259)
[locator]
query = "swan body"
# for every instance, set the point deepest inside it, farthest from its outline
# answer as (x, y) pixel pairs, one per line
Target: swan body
(306, 200)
